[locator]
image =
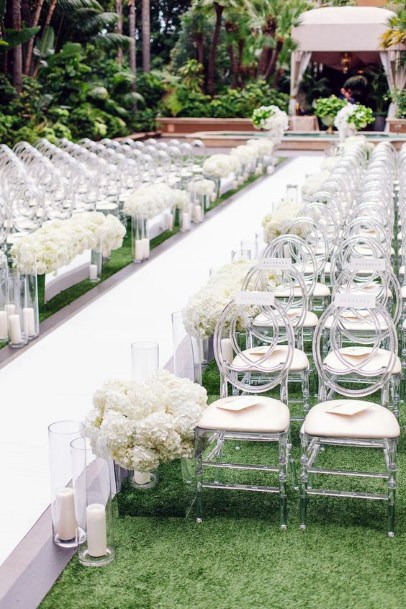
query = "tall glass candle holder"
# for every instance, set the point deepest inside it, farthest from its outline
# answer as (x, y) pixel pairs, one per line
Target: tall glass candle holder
(65, 530)
(183, 361)
(96, 263)
(14, 306)
(140, 238)
(3, 302)
(94, 488)
(30, 310)
(144, 360)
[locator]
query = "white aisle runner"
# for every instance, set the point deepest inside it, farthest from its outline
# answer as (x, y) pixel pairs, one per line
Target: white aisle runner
(56, 378)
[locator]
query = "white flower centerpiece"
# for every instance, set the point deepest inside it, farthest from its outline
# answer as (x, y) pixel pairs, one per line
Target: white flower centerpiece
(202, 193)
(264, 148)
(145, 424)
(145, 203)
(271, 119)
(247, 156)
(203, 309)
(276, 223)
(351, 118)
(314, 183)
(220, 166)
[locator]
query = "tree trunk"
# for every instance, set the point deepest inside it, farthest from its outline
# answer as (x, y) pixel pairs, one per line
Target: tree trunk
(199, 47)
(51, 9)
(264, 60)
(146, 36)
(131, 27)
(234, 66)
(119, 29)
(18, 50)
(30, 48)
(241, 44)
(272, 64)
(211, 70)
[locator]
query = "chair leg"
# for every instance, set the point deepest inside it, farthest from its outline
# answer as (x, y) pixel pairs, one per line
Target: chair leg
(306, 390)
(303, 483)
(292, 465)
(199, 447)
(283, 463)
(392, 445)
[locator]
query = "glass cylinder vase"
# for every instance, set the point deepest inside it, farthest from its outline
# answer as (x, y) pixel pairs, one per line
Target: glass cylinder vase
(3, 302)
(140, 238)
(143, 480)
(15, 301)
(30, 306)
(65, 532)
(144, 360)
(94, 488)
(186, 364)
(96, 263)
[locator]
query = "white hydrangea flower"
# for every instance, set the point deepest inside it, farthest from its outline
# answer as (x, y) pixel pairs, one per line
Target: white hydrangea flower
(314, 183)
(58, 242)
(219, 165)
(276, 223)
(144, 424)
(149, 201)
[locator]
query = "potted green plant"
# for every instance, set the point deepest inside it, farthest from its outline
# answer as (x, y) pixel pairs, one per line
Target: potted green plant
(326, 108)
(398, 124)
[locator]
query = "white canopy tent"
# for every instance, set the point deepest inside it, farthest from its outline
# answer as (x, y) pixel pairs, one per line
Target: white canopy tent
(324, 34)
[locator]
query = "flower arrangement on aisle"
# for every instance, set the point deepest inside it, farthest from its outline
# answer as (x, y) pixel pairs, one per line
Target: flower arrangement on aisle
(203, 187)
(276, 223)
(358, 140)
(181, 199)
(58, 242)
(353, 117)
(220, 165)
(145, 424)
(263, 146)
(203, 309)
(149, 201)
(315, 182)
(272, 119)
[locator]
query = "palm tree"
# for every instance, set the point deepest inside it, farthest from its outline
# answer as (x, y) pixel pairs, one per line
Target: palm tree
(146, 36)
(18, 49)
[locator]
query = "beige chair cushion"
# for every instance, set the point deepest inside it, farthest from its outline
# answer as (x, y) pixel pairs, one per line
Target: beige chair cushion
(321, 290)
(267, 416)
(310, 320)
(374, 422)
(279, 355)
(380, 360)
(359, 325)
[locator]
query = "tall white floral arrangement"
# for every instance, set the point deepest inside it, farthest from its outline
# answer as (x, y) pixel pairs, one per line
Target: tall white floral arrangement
(58, 242)
(220, 165)
(149, 201)
(203, 309)
(145, 424)
(271, 119)
(276, 223)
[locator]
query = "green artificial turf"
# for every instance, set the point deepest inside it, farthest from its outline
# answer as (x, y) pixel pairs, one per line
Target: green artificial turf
(239, 558)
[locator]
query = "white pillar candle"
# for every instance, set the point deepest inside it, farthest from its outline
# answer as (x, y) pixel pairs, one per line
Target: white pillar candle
(197, 214)
(169, 221)
(65, 514)
(10, 309)
(139, 249)
(93, 272)
(14, 328)
(227, 350)
(29, 321)
(3, 325)
(96, 530)
(142, 477)
(146, 248)
(185, 221)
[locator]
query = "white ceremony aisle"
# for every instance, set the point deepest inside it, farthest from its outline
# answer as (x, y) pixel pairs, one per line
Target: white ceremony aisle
(56, 377)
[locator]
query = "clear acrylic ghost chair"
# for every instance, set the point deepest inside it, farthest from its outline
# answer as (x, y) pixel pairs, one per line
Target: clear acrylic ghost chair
(355, 248)
(366, 425)
(271, 275)
(251, 372)
(313, 234)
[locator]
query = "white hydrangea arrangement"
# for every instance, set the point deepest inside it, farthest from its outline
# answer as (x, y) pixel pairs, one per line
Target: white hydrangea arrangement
(145, 424)
(220, 165)
(314, 183)
(58, 242)
(263, 146)
(358, 140)
(351, 118)
(246, 154)
(330, 163)
(149, 201)
(203, 188)
(203, 309)
(276, 223)
(181, 199)
(271, 118)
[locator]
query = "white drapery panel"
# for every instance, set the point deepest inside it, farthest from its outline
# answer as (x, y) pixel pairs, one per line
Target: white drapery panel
(395, 74)
(299, 62)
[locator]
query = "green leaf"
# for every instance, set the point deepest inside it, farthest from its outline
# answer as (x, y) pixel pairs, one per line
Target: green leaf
(45, 44)
(16, 37)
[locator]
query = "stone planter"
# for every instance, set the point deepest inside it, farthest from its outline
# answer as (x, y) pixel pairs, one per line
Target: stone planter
(175, 126)
(396, 125)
